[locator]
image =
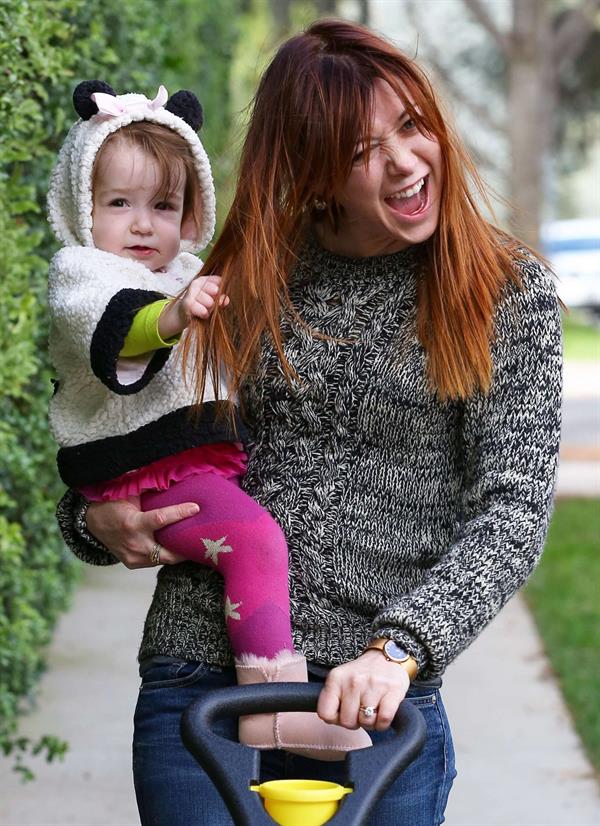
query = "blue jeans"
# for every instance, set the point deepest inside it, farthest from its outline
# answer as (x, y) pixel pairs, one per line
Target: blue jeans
(172, 790)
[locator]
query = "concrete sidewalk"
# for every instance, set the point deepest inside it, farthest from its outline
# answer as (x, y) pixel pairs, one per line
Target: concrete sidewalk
(86, 697)
(520, 762)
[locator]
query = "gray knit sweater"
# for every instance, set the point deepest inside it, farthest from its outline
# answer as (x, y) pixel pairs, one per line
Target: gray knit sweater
(405, 517)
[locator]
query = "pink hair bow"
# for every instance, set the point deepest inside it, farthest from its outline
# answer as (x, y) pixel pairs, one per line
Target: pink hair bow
(115, 105)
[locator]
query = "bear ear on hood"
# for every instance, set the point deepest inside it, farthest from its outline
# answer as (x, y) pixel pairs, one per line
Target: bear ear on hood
(186, 106)
(82, 97)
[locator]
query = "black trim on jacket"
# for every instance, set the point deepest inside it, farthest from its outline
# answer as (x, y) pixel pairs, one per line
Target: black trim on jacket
(105, 459)
(109, 337)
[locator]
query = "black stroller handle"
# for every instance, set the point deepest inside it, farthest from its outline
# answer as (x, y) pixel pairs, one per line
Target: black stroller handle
(233, 767)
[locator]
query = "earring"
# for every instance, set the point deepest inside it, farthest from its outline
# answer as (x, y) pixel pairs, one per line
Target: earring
(320, 204)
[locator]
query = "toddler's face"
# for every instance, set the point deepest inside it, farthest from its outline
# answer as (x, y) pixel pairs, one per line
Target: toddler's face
(129, 218)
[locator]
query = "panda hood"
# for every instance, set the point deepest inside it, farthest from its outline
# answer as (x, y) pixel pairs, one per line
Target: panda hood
(102, 112)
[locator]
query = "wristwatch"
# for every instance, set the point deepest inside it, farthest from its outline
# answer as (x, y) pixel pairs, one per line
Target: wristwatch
(395, 654)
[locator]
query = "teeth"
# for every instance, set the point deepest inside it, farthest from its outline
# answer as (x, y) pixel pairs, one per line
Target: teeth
(408, 193)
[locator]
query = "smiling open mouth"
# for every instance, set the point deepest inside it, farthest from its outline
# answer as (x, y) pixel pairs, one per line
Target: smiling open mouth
(411, 201)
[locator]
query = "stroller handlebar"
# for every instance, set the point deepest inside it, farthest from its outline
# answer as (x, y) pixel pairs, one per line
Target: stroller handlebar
(233, 767)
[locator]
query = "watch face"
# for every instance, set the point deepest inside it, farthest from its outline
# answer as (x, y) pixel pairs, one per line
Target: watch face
(394, 652)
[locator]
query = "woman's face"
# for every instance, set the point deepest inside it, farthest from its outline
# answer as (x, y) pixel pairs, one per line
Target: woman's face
(395, 201)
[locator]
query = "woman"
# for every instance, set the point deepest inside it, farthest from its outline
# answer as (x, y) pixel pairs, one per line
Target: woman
(399, 362)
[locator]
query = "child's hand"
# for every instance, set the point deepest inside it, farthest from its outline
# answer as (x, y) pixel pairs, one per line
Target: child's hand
(198, 301)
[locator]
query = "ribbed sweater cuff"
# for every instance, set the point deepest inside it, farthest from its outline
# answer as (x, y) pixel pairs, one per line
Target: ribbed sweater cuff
(70, 515)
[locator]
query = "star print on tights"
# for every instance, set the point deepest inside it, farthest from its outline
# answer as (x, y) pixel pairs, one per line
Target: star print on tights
(213, 549)
(238, 538)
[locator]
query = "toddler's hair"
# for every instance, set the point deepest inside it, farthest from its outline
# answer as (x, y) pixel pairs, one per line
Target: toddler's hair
(173, 156)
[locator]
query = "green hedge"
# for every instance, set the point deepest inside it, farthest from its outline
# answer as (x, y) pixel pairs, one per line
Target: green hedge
(45, 49)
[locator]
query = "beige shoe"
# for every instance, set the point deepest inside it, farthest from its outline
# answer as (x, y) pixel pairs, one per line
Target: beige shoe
(300, 732)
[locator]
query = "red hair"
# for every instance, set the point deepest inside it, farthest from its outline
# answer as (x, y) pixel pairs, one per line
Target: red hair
(313, 106)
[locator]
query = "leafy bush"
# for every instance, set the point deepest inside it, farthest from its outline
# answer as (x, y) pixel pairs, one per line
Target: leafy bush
(35, 572)
(134, 46)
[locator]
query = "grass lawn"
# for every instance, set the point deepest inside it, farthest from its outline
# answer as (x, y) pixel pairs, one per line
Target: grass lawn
(564, 596)
(582, 340)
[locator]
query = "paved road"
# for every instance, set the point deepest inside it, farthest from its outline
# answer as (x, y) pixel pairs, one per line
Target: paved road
(581, 424)
(579, 470)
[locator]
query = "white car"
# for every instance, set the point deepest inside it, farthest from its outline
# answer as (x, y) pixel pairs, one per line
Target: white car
(573, 249)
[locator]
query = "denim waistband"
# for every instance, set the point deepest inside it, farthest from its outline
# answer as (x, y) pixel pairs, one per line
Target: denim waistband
(315, 670)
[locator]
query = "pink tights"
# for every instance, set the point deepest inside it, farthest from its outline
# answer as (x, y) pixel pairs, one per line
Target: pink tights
(238, 538)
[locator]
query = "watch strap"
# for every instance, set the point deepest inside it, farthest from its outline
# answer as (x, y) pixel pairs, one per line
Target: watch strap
(410, 665)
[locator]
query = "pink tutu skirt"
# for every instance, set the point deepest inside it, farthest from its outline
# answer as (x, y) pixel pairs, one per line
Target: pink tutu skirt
(226, 459)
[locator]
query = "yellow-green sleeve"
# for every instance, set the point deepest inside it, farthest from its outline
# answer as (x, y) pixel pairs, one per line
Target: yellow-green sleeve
(143, 335)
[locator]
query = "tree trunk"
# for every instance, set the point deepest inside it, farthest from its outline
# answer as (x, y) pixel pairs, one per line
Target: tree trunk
(531, 98)
(326, 7)
(363, 6)
(280, 10)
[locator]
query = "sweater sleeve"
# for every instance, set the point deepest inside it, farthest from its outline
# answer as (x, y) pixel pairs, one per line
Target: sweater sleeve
(510, 441)
(70, 515)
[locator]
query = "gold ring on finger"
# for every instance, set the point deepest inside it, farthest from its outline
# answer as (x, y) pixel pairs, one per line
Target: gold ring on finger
(155, 553)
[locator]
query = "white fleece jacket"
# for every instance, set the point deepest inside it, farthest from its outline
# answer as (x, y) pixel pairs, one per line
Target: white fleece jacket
(102, 399)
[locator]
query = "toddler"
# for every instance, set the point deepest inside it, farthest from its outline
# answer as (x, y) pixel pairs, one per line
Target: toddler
(131, 199)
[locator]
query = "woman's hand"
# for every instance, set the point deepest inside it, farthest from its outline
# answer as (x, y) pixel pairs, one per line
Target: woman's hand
(128, 532)
(370, 680)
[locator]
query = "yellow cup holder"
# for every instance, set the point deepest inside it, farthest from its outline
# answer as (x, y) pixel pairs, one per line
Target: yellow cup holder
(301, 802)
